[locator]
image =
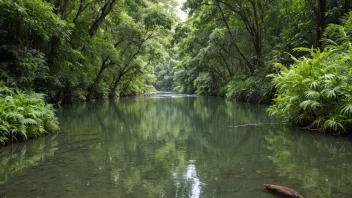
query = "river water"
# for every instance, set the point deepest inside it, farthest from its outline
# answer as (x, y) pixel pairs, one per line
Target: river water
(169, 145)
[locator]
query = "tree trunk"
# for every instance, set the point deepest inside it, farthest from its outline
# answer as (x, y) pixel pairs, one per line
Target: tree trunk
(104, 12)
(98, 77)
(81, 8)
(55, 44)
(248, 64)
(227, 65)
(320, 22)
(64, 9)
(258, 51)
(115, 84)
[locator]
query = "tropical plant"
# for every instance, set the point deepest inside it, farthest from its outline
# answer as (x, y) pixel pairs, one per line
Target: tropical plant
(254, 89)
(227, 47)
(24, 116)
(316, 90)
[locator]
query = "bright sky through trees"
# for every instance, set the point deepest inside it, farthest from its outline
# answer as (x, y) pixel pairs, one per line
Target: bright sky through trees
(181, 13)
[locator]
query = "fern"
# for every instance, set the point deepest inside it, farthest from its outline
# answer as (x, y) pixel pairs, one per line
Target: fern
(29, 121)
(24, 116)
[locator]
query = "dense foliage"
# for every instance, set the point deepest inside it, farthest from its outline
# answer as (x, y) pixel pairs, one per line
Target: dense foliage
(79, 50)
(74, 51)
(82, 49)
(228, 48)
(24, 116)
(316, 90)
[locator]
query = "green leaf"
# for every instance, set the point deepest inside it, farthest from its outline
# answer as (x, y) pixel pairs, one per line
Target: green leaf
(312, 94)
(347, 109)
(29, 121)
(309, 104)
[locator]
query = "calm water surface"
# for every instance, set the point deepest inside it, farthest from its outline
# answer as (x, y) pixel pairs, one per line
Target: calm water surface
(180, 146)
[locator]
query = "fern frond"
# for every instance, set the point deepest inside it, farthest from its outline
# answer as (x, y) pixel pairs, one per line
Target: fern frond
(29, 121)
(347, 109)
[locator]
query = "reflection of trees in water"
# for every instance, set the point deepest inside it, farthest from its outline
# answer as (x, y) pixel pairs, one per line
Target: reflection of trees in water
(18, 157)
(156, 137)
(322, 165)
(143, 147)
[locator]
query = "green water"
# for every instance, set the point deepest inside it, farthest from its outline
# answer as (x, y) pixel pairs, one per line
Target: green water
(163, 146)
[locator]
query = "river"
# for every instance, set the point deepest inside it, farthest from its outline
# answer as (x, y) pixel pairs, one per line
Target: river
(170, 145)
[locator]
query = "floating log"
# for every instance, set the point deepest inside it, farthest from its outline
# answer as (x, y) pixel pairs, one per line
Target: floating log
(257, 124)
(282, 190)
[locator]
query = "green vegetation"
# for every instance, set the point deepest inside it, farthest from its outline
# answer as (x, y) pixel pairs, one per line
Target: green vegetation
(228, 48)
(83, 49)
(24, 116)
(233, 49)
(316, 90)
(75, 51)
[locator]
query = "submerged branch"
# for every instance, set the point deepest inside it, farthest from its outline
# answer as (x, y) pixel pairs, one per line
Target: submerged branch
(258, 124)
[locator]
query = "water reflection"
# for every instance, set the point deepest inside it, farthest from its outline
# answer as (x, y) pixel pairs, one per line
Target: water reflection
(321, 165)
(18, 157)
(171, 147)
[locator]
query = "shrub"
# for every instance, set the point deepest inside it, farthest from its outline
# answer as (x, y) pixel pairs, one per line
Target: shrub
(24, 116)
(254, 89)
(316, 90)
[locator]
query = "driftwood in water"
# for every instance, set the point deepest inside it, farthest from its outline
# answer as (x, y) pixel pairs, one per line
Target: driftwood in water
(244, 125)
(282, 190)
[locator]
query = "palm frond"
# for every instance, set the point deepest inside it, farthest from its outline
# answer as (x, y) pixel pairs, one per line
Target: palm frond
(309, 104)
(347, 109)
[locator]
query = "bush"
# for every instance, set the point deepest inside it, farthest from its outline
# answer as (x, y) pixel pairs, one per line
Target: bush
(253, 89)
(206, 85)
(24, 116)
(316, 90)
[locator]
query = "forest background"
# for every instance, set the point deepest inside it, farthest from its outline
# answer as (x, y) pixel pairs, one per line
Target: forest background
(296, 53)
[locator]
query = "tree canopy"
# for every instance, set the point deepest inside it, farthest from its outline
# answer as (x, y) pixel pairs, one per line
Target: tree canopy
(227, 48)
(83, 49)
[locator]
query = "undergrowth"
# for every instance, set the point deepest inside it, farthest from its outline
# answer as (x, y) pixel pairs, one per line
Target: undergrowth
(24, 116)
